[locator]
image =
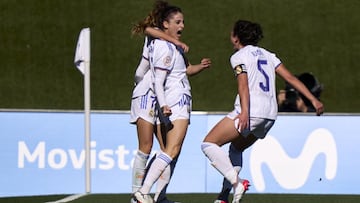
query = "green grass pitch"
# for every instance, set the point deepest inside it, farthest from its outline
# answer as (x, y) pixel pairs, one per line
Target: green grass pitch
(195, 198)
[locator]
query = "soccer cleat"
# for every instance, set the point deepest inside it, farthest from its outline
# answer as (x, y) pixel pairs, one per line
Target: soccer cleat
(240, 189)
(245, 183)
(141, 198)
(133, 200)
(223, 196)
(220, 201)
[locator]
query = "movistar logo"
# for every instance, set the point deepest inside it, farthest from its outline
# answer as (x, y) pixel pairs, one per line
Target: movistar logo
(292, 173)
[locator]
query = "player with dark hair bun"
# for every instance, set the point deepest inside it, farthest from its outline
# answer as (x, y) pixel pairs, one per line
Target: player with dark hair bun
(247, 32)
(255, 106)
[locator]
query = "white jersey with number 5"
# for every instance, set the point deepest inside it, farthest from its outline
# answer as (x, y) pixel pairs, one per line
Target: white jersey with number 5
(260, 66)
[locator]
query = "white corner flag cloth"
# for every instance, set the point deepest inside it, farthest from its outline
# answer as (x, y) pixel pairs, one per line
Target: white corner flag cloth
(82, 53)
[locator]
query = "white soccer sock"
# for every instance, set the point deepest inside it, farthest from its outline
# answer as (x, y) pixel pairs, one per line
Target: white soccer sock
(220, 160)
(163, 180)
(138, 171)
(236, 160)
(156, 169)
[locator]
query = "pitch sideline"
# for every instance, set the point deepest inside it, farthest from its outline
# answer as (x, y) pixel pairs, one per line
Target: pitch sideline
(69, 198)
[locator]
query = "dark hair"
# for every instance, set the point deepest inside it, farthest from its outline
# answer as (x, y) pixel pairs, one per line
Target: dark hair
(151, 19)
(249, 33)
(160, 13)
(165, 13)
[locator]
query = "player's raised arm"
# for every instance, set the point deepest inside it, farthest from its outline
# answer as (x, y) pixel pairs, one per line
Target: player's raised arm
(283, 72)
(160, 34)
(195, 69)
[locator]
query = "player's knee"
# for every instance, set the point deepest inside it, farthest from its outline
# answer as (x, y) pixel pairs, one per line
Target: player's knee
(146, 148)
(205, 146)
(173, 151)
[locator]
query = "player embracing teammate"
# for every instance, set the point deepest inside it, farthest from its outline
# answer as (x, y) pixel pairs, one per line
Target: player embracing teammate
(162, 81)
(162, 91)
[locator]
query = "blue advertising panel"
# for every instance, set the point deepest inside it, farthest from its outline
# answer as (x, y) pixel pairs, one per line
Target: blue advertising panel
(43, 153)
(302, 154)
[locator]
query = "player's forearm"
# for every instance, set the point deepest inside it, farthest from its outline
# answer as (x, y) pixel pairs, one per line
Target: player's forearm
(193, 69)
(299, 86)
(244, 101)
(160, 34)
(142, 68)
(243, 91)
(160, 76)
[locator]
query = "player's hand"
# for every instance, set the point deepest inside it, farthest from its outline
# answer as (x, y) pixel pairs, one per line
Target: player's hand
(166, 110)
(205, 62)
(243, 122)
(319, 107)
(183, 46)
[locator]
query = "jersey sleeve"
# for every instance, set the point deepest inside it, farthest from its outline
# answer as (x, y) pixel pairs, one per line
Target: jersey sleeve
(163, 55)
(275, 60)
(238, 66)
(145, 52)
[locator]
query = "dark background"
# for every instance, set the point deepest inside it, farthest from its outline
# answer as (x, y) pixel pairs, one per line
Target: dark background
(38, 40)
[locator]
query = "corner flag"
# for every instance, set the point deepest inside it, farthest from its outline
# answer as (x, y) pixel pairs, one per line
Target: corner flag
(82, 54)
(82, 62)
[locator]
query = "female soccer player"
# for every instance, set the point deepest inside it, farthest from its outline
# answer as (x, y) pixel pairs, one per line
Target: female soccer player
(255, 105)
(143, 107)
(169, 71)
(143, 93)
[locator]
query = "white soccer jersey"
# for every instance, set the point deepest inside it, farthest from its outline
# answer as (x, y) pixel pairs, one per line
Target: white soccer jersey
(145, 84)
(260, 65)
(164, 55)
(145, 53)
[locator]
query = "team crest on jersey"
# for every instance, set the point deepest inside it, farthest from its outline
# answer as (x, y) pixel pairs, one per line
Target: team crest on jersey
(152, 113)
(167, 61)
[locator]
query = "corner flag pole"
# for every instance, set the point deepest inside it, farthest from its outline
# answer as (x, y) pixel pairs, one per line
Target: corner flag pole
(82, 62)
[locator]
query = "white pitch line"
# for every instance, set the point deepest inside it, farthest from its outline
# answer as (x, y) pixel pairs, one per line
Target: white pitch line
(68, 199)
